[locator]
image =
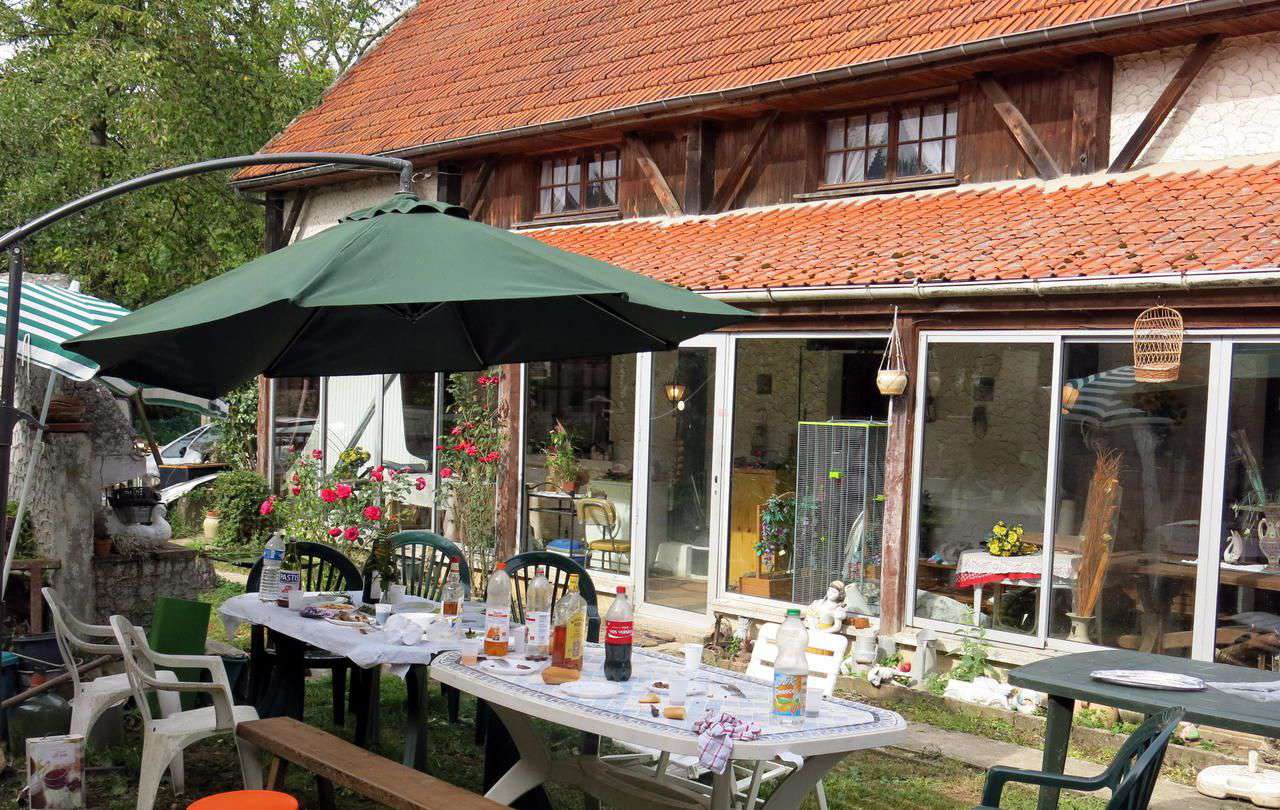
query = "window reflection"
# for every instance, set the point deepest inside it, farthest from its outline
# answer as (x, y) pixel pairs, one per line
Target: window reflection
(297, 414)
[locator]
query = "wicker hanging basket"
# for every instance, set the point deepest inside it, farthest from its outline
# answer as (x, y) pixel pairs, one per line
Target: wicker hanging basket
(891, 379)
(1157, 345)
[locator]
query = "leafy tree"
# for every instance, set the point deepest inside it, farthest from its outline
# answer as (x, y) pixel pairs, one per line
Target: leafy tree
(97, 92)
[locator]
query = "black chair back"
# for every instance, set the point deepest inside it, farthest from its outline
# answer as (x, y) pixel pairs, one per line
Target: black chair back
(1132, 774)
(522, 567)
(324, 568)
(424, 561)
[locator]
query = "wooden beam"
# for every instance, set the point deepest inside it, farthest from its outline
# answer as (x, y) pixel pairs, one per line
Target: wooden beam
(733, 182)
(661, 190)
(896, 520)
(1091, 114)
(475, 195)
(1164, 105)
(291, 223)
(1019, 128)
(699, 167)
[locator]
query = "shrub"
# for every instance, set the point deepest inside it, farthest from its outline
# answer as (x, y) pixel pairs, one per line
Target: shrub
(238, 497)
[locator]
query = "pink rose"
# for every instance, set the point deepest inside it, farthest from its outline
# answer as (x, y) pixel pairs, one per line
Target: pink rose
(268, 506)
(296, 479)
(457, 431)
(328, 496)
(445, 472)
(439, 446)
(351, 533)
(372, 513)
(344, 491)
(317, 455)
(335, 532)
(420, 484)
(295, 490)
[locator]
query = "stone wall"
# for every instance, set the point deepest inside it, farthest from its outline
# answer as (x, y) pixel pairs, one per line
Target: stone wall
(1229, 110)
(131, 585)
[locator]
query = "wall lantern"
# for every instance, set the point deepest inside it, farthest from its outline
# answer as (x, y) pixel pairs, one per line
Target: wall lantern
(675, 394)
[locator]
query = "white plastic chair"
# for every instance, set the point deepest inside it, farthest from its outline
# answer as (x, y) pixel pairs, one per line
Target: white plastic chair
(825, 652)
(90, 697)
(165, 738)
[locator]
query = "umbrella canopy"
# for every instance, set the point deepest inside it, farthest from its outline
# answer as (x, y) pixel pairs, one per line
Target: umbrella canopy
(408, 286)
(49, 315)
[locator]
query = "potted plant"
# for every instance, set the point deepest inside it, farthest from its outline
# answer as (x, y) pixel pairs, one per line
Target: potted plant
(563, 469)
(777, 521)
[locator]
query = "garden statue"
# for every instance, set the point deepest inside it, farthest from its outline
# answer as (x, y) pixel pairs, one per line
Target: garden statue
(135, 537)
(827, 614)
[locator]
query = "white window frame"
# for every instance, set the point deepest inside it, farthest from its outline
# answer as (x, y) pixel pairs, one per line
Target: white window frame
(1221, 343)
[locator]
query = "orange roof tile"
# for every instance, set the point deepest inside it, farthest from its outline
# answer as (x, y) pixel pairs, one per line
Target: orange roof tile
(1189, 222)
(451, 70)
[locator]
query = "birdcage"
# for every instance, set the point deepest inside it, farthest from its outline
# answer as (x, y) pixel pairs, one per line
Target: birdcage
(1157, 345)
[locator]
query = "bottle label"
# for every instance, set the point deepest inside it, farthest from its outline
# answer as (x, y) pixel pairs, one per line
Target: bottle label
(575, 633)
(497, 625)
(788, 694)
(539, 624)
(618, 632)
(451, 608)
(270, 553)
(289, 581)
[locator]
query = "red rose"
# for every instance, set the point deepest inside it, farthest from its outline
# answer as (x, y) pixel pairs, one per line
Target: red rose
(351, 533)
(420, 484)
(445, 472)
(295, 490)
(335, 532)
(317, 455)
(268, 506)
(296, 479)
(344, 491)
(376, 475)
(372, 513)
(328, 496)
(457, 431)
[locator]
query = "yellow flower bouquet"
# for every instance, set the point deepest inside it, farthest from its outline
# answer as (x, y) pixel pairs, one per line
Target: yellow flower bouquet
(1006, 541)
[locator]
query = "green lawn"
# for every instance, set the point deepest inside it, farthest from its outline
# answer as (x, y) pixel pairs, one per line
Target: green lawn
(873, 779)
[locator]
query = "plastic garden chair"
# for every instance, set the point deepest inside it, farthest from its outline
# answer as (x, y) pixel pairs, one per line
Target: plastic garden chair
(165, 738)
(423, 561)
(1131, 776)
(324, 568)
(90, 698)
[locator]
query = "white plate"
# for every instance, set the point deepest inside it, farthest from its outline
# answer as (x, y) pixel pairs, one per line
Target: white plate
(1149, 679)
(340, 623)
(513, 667)
(591, 690)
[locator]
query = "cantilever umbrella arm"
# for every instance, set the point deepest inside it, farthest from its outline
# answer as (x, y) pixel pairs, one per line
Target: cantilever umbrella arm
(12, 241)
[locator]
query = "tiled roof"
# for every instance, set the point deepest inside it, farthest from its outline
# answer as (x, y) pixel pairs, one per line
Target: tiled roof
(454, 69)
(1201, 220)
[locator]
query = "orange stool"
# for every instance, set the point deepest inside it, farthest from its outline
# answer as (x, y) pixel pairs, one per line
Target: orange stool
(246, 800)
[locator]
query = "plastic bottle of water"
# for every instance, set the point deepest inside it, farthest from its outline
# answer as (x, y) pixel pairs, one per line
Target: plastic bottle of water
(791, 671)
(272, 557)
(537, 618)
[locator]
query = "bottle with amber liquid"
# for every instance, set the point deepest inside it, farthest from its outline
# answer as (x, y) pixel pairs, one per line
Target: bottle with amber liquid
(451, 598)
(570, 635)
(497, 613)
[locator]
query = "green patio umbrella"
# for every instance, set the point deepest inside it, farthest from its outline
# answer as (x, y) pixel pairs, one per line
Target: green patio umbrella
(407, 286)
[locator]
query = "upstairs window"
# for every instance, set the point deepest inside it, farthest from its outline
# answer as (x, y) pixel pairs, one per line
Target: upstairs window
(582, 181)
(903, 142)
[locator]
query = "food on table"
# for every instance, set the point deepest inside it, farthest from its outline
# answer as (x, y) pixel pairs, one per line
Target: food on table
(335, 606)
(673, 712)
(571, 628)
(618, 623)
(653, 710)
(312, 612)
(537, 617)
(497, 613)
(660, 685)
(650, 698)
(558, 675)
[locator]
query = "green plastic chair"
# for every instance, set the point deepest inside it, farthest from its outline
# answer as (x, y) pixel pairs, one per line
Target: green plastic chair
(423, 559)
(180, 627)
(1131, 776)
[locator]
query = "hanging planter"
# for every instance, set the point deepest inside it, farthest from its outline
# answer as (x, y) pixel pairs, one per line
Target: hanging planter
(891, 379)
(1157, 345)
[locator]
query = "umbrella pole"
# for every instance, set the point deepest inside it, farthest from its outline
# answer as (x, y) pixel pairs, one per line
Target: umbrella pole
(36, 450)
(8, 376)
(136, 399)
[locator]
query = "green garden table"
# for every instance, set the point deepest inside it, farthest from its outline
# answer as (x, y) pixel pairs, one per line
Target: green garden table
(1065, 680)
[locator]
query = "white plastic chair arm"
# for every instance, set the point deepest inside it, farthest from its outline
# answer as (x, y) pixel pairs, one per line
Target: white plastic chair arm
(219, 687)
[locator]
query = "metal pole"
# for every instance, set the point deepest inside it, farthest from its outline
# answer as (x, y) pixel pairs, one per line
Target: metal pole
(8, 376)
(37, 449)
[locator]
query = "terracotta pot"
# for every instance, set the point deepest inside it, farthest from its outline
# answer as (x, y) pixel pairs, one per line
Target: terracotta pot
(569, 486)
(210, 526)
(102, 546)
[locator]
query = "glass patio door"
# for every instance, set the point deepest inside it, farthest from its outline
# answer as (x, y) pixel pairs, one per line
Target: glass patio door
(682, 475)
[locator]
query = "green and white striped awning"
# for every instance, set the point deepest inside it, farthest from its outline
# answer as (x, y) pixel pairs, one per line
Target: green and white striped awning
(50, 315)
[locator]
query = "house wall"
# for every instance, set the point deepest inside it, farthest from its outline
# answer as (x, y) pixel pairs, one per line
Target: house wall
(1230, 109)
(324, 206)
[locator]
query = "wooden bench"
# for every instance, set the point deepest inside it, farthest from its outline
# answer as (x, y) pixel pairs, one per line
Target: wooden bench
(335, 761)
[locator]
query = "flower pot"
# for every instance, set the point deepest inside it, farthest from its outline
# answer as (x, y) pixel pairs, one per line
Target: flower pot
(210, 525)
(569, 487)
(891, 381)
(102, 546)
(1079, 628)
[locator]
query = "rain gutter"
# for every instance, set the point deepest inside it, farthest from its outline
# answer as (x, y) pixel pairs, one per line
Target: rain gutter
(985, 47)
(1149, 282)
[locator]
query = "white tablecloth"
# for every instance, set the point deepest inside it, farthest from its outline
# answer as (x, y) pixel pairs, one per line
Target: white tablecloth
(364, 649)
(980, 565)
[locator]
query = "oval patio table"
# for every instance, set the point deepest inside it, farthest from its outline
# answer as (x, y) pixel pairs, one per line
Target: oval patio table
(841, 727)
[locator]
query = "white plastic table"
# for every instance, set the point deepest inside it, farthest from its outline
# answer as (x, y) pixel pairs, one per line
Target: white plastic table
(841, 727)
